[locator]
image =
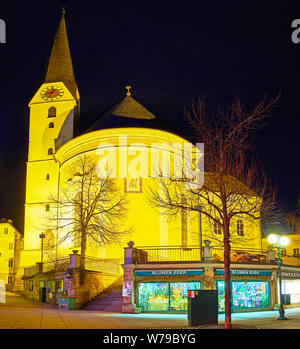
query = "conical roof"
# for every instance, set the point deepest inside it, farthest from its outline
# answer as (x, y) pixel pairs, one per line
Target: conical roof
(60, 67)
(128, 113)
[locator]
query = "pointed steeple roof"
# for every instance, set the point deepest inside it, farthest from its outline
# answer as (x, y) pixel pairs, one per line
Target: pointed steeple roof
(60, 67)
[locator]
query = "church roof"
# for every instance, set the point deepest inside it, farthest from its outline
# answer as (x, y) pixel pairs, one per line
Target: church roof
(60, 67)
(128, 113)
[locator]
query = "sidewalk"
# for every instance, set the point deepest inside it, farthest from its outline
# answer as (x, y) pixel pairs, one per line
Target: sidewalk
(22, 313)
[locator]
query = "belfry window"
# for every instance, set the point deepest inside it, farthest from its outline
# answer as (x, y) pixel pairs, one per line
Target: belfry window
(240, 227)
(52, 112)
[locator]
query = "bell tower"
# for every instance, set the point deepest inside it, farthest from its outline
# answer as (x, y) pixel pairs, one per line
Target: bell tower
(54, 114)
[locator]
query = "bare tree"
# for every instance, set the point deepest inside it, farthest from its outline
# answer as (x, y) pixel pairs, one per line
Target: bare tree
(234, 185)
(88, 208)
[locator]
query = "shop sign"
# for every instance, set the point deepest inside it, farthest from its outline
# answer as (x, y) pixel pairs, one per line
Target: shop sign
(248, 272)
(291, 274)
(171, 272)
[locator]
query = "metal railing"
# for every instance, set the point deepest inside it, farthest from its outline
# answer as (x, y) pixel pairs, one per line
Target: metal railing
(32, 270)
(111, 266)
(56, 265)
(167, 254)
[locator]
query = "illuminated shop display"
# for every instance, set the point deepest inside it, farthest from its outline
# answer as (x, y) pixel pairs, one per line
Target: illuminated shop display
(166, 296)
(244, 294)
(292, 287)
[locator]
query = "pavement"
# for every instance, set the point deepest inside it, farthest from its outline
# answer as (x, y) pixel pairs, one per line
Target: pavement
(19, 312)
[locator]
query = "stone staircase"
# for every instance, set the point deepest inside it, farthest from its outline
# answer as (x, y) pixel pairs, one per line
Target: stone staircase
(109, 300)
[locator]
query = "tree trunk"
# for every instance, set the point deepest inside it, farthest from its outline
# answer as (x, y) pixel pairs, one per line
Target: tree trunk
(82, 257)
(227, 277)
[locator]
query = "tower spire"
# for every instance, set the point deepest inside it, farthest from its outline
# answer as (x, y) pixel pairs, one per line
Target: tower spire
(60, 67)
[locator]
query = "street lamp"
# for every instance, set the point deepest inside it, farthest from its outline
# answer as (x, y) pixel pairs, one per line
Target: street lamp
(42, 237)
(279, 242)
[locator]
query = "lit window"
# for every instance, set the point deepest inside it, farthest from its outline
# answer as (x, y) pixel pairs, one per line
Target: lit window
(51, 125)
(52, 112)
(50, 151)
(240, 227)
(217, 228)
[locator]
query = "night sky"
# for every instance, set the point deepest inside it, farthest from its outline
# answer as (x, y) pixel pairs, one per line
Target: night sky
(171, 53)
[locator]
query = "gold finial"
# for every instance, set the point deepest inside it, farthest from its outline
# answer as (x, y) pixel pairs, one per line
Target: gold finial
(63, 10)
(128, 88)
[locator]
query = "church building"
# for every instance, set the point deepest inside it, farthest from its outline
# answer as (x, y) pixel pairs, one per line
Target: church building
(128, 135)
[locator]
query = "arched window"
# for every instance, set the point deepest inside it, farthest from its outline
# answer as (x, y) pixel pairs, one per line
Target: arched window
(51, 125)
(240, 227)
(52, 112)
(50, 151)
(49, 240)
(217, 228)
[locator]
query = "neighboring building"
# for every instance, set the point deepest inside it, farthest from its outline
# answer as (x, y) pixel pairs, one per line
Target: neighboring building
(11, 244)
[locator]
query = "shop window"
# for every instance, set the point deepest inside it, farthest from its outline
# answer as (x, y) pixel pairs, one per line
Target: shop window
(245, 294)
(165, 296)
(52, 112)
(217, 228)
(240, 227)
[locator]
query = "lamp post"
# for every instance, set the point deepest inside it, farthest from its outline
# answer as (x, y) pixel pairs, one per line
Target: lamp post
(42, 236)
(279, 242)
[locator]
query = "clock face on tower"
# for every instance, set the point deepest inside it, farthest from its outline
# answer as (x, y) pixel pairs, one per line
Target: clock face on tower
(52, 93)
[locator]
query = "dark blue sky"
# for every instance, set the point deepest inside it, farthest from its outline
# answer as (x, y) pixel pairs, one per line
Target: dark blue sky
(170, 53)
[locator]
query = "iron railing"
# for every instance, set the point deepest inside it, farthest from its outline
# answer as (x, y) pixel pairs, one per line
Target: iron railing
(32, 270)
(170, 254)
(56, 265)
(110, 266)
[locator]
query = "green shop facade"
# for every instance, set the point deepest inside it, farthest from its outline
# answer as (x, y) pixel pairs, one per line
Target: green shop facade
(166, 290)
(163, 287)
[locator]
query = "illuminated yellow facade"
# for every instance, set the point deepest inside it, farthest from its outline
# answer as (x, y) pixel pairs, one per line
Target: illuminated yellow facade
(11, 243)
(54, 145)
